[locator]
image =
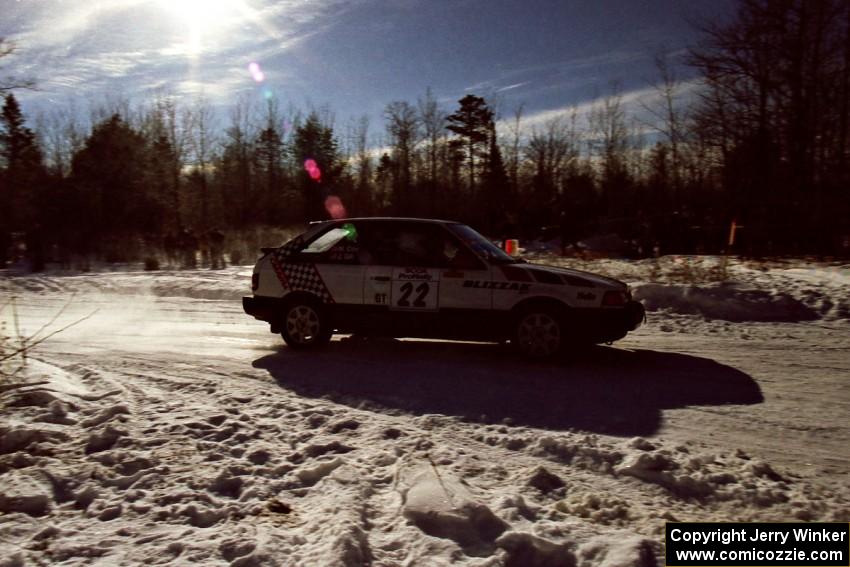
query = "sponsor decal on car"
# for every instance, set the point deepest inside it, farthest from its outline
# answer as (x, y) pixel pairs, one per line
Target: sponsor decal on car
(511, 286)
(417, 274)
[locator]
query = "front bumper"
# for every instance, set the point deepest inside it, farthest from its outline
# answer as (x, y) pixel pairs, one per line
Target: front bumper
(635, 315)
(607, 324)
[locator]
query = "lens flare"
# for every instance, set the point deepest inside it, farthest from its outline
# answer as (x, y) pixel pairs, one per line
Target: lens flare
(335, 208)
(256, 72)
(313, 170)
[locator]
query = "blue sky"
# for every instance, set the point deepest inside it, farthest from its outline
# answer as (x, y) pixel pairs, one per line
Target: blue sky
(354, 56)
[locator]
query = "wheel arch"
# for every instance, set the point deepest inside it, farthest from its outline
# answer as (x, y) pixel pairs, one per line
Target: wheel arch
(530, 338)
(301, 296)
(319, 336)
(290, 299)
(541, 302)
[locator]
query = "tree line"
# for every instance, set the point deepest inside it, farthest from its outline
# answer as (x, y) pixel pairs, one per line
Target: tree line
(760, 138)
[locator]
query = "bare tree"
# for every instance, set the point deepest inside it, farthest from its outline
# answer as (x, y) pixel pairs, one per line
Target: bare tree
(669, 119)
(61, 136)
(403, 130)
(171, 129)
(10, 83)
(609, 135)
(363, 166)
(238, 135)
(202, 140)
(775, 105)
(552, 147)
(433, 120)
(514, 148)
(609, 144)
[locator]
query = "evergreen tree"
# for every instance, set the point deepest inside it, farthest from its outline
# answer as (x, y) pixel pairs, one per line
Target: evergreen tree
(113, 174)
(472, 123)
(383, 182)
(496, 185)
(268, 153)
(21, 169)
(315, 149)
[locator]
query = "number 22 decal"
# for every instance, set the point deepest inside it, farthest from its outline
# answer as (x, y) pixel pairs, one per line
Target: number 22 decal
(407, 289)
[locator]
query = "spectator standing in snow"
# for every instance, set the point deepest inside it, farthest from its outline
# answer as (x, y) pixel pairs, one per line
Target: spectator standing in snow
(188, 245)
(215, 240)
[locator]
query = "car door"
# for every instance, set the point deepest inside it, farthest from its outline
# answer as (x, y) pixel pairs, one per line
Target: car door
(464, 279)
(400, 275)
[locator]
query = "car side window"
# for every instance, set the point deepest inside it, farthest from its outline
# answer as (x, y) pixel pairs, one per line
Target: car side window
(400, 244)
(454, 255)
(412, 247)
(376, 244)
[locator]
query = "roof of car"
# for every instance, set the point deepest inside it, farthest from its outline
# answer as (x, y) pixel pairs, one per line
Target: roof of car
(381, 219)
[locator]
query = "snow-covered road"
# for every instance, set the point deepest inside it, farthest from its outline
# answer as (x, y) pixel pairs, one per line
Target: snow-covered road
(171, 428)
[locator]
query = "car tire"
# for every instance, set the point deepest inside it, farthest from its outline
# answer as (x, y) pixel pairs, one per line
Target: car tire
(305, 325)
(539, 334)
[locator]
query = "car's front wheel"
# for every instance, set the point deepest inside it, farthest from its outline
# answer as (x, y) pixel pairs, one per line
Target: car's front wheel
(305, 326)
(538, 334)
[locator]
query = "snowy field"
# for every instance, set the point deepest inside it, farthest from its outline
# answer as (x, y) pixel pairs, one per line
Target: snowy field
(169, 428)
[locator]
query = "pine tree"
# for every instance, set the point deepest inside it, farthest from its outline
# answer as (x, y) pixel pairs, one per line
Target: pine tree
(21, 169)
(268, 153)
(472, 123)
(496, 184)
(115, 175)
(315, 149)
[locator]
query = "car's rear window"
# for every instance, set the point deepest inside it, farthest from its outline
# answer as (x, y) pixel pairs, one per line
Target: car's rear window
(326, 241)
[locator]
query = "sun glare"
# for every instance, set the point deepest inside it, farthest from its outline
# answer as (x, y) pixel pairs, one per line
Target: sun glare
(204, 19)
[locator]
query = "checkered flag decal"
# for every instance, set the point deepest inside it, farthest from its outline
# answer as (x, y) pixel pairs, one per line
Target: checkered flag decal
(300, 276)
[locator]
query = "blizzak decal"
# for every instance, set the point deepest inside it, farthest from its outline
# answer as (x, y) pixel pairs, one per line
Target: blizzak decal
(511, 286)
(301, 276)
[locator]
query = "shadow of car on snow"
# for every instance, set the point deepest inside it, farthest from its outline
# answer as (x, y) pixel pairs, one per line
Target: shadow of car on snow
(601, 389)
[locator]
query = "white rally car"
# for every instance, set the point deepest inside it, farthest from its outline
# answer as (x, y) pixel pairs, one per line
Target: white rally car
(431, 279)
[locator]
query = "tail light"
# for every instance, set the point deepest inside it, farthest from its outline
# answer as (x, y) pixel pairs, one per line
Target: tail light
(255, 281)
(614, 299)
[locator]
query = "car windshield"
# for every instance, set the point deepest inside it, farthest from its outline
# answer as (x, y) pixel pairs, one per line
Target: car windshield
(481, 246)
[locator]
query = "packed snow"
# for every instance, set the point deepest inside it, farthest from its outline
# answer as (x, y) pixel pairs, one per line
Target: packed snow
(168, 427)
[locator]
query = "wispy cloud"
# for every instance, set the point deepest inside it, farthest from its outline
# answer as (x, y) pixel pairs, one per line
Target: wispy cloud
(512, 87)
(635, 104)
(56, 24)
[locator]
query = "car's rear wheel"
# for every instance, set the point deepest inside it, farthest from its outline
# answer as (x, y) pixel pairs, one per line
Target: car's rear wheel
(538, 334)
(305, 326)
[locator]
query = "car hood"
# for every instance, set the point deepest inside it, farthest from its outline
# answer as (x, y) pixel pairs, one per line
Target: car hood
(578, 277)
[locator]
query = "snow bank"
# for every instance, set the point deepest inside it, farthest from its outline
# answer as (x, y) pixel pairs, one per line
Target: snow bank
(227, 284)
(730, 289)
(712, 287)
(728, 302)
